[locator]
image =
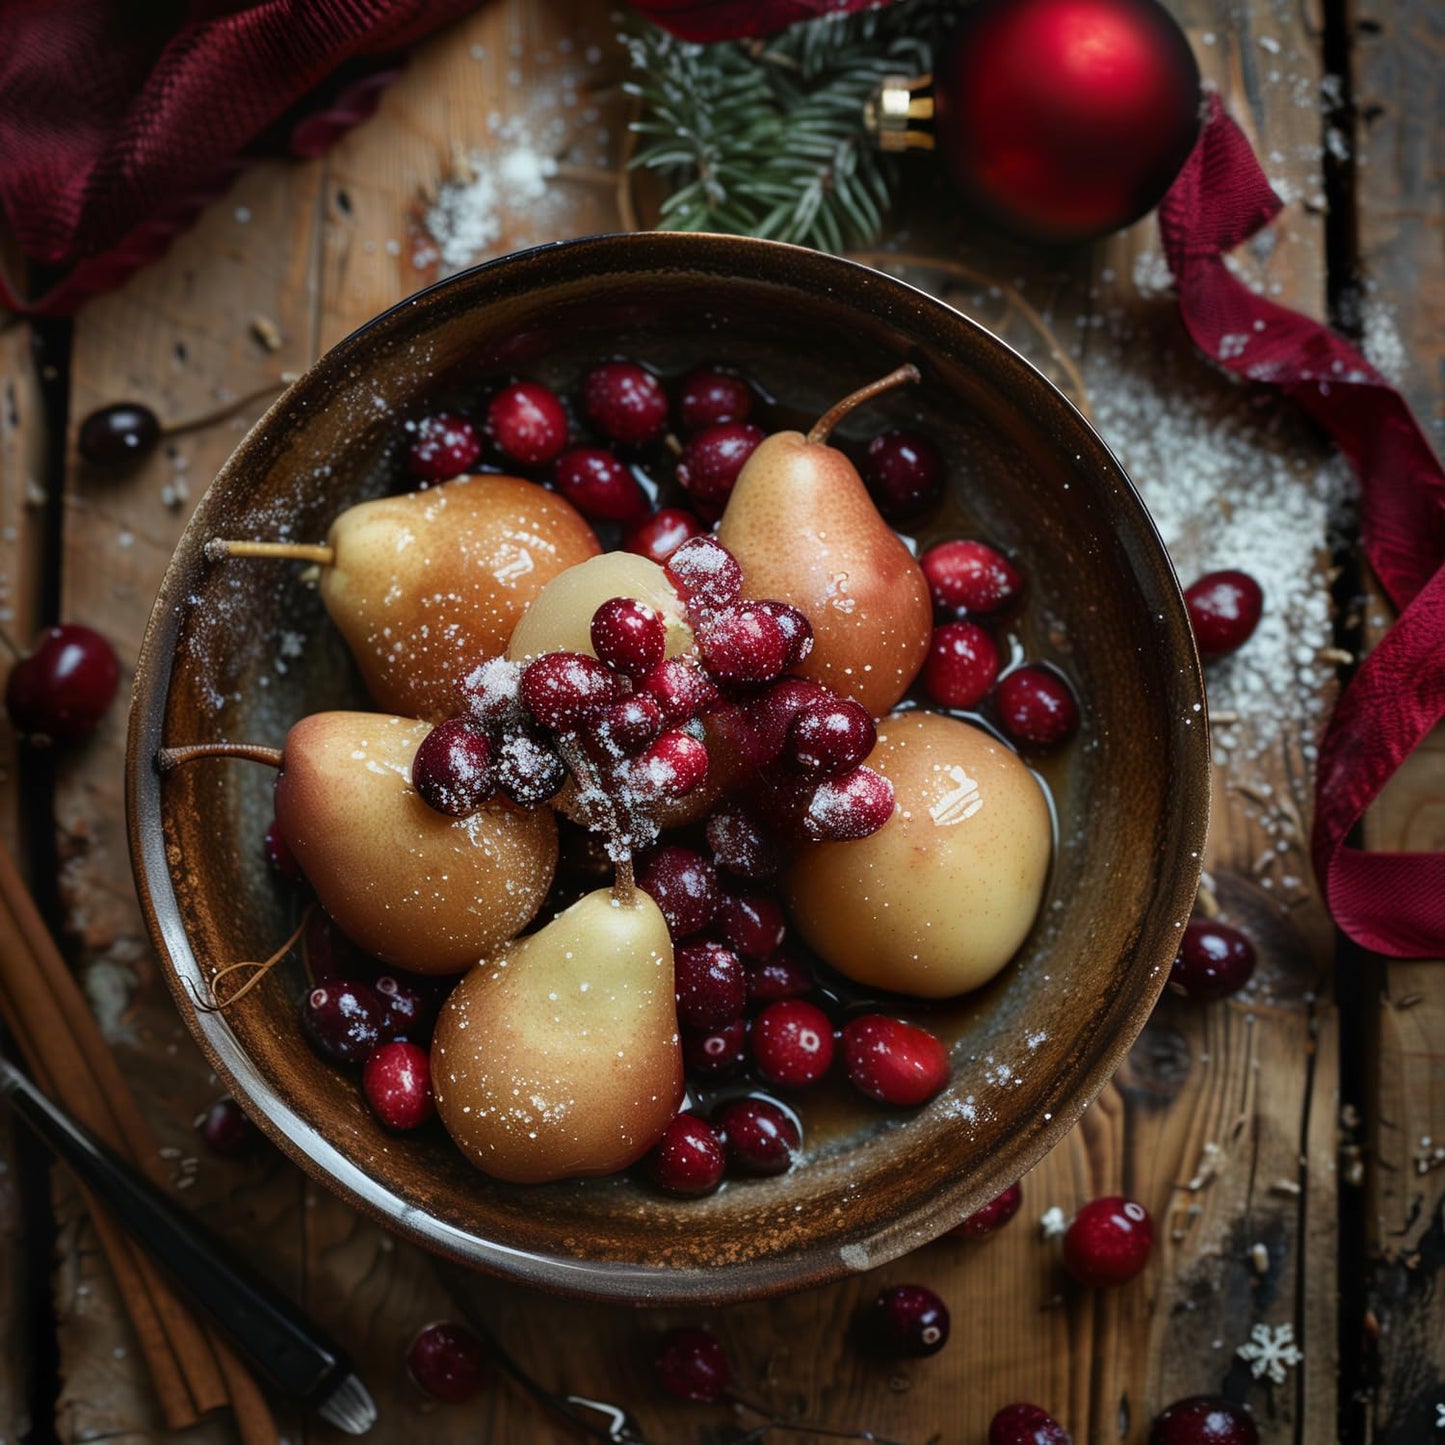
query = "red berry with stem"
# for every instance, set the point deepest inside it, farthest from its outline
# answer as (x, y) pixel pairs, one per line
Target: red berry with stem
(784, 975)
(705, 574)
(1026, 1425)
(343, 1019)
(529, 771)
(628, 635)
(397, 1085)
(792, 1043)
(452, 771)
(760, 1137)
(908, 1321)
(968, 576)
(599, 486)
(1036, 707)
(280, 856)
(672, 765)
(904, 474)
(683, 884)
(226, 1130)
(712, 1055)
(742, 844)
(1108, 1242)
(625, 402)
(993, 1216)
(657, 537)
(1214, 960)
(753, 923)
(563, 689)
(1204, 1420)
(448, 1361)
(1224, 610)
(744, 645)
(59, 691)
(406, 1011)
(961, 666)
(830, 737)
(691, 1364)
(712, 989)
(892, 1061)
(710, 398)
(680, 688)
(848, 807)
(528, 423)
(711, 461)
(443, 446)
(626, 726)
(689, 1157)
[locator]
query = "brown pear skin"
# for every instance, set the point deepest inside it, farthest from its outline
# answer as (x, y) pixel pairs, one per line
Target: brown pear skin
(418, 889)
(427, 585)
(560, 1056)
(804, 529)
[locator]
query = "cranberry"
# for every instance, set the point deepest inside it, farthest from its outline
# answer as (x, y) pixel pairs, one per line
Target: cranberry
(60, 690)
(831, 737)
(744, 644)
(683, 884)
(1214, 960)
(491, 693)
(892, 1061)
(1036, 707)
(657, 537)
(849, 807)
(452, 771)
(529, 772)
(681, 689)
(1224, 610)
(527, 422)
(122, 432)
(689, 1157)
(449, 1362)
(994, 1215)
(784, 975)
(760, 1136)
(904, 474)
(742, 844)
(1204, 1420)
(797, 630)
(766, 720)
(966, 576)
(792, 1043)
(563, 689)
(1108, 1242)
(672, 765)
(444, 446)
(226, 1130)
(626, 726)
(279, 854)
(715, 1054)
(343, 1018)
(1026, 1425)
(712, 989)
(397, 1084)
(710, 398)
(705, 573)
(625, 402)
(628, 635)
(752, 923)
(406, 1011)
(962, 664)
(908, 1321)
(600, 486)
(329, 953)
(691, 1364)
(711, 461)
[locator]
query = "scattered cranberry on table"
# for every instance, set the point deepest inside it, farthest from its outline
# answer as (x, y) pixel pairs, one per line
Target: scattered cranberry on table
(903, 473)
(1025, 1424)
(1036, 707)
(448, 1361)
(1204, 1420)
(893, 1061)
(123, 432)
(691, 1364)
(226, 1130)
(1224, 609)
(907, 1321)
(61, 689)
(961, 666)
(443, 446)
(993, 1216)
(1108, 1242)
(1214, 960)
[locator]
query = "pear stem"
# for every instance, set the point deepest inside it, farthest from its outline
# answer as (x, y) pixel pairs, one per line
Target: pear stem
(624, 885)
(219, 548)
(168, 758)
(899, 376)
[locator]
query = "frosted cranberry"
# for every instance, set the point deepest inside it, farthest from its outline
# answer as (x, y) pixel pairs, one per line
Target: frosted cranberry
(689, 1157)
(849, 807)
(626, 726)
(760, 1136)
(343, 1019)
(961, 666)
(710, 398)
(908, 1321)
(994, 1215)
(784, 975)
(1214, 960)
(710, 462)
(691, 1364)
(797, 630)
(600, 486)
(752, 923)
(628, 635)
(122, 432)
(1224, 609)
(529, 772)
(742, 844)
(491, 693)
(830, 738)
(767, 719)
(279, 854)
(711, 1055)
(443, 446)
(625, 401)
(792, 1043)
(452, 771)
(744, 644)
(1108, 1242)
(892, 1061)
(683, 884)
(1204, 1420)
(657, 537)
(226, 1130)
(563, 689)
(712, 989)
(1026, 1425)
(60, 690)
(681, 689)
(449, 1362)
(672, 765)
(1036, 707)
(397, 1085)
(967, 576)
(527, 422)
(904, 474)
(406, 1011)
(704, 573)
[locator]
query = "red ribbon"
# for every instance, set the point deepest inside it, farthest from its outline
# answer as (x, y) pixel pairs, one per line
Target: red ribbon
(1392, 903)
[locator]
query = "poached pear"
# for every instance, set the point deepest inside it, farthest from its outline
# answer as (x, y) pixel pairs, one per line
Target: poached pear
(559, 1055)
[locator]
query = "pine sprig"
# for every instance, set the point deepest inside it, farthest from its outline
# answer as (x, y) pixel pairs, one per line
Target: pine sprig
(766, 138)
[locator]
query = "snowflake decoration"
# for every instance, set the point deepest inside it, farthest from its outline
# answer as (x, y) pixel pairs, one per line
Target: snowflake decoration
(1271, 1351)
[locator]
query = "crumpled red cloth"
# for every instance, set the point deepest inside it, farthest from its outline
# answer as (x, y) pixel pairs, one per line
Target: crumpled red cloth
(119, 121)
(1392, 903)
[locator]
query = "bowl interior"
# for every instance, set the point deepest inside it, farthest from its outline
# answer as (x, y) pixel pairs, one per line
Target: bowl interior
(241, 650)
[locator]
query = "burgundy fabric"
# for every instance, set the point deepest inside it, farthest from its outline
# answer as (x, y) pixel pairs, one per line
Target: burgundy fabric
(119, 121)
(708, 20)
(1393, 903)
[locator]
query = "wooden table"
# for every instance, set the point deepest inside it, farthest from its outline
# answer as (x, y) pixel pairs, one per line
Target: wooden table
(1280, 1143)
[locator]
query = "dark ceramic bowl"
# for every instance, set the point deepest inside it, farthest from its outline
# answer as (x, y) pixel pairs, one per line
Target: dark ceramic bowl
(240, 651)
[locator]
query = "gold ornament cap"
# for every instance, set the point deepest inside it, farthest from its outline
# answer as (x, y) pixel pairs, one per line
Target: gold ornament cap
(899, 114)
